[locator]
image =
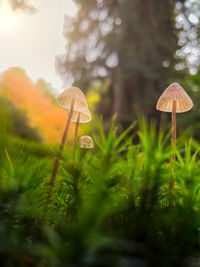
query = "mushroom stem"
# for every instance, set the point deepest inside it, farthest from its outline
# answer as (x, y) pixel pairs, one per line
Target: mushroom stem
(174, 125)
(76, 129)
(171, 184)
(56, 165)
(76, 135)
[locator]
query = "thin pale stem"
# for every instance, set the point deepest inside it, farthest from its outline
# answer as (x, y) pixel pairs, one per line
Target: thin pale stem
(76, 135)
(174, 126)
(56, 164)
(76, 129)
(171, 183)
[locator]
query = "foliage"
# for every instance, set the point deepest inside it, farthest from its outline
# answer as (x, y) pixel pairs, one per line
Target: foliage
(109, 206)
(22, 5)
(16, 120)
(36, 101)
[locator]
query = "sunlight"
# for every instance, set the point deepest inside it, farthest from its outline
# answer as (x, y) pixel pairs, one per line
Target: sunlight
(7, 17)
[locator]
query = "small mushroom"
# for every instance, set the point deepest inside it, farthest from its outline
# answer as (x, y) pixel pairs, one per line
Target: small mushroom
(175, 100)
(83, 116)
(72, 99)
(86, 142)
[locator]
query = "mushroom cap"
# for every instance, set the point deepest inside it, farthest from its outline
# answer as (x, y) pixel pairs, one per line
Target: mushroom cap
(85, 115)
(86, 142)
(65, 98)
(174, 92)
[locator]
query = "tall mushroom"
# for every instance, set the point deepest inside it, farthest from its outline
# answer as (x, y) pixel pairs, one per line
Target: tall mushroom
(175, 100)
(72, 99)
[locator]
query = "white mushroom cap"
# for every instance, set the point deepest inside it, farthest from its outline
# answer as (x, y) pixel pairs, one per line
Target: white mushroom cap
(174, 92)
(86, 142)
(65, 99)
(85, 115)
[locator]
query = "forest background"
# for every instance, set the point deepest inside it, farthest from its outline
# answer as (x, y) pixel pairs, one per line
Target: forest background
(122, 54)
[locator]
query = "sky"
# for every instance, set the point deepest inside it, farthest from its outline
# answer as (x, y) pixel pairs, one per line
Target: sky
(33, 41)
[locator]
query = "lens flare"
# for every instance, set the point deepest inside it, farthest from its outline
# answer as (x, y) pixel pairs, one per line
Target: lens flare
(7, 17)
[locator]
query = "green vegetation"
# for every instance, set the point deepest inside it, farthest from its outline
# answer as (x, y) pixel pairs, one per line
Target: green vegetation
(109, 206)
(15, 121)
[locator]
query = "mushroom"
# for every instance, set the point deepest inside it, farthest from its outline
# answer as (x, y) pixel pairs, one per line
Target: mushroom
(175, 100)
(72, 99)
(80, 117)
(86, 142)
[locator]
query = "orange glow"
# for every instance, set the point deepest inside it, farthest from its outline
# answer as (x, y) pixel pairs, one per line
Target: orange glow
(43, 114)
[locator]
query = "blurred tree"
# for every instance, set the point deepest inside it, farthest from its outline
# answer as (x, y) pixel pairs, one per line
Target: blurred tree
(36, 101)
(17, 121)
(190, 120)
(130, 42)
(23, 5)
(188, 25)
(46, 89)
